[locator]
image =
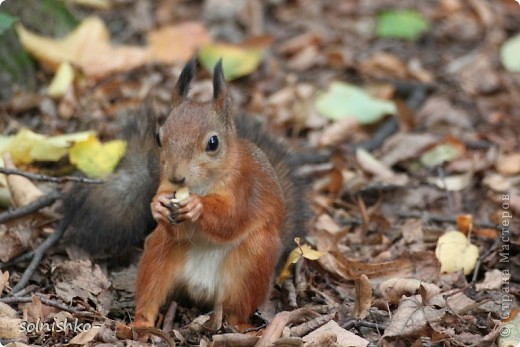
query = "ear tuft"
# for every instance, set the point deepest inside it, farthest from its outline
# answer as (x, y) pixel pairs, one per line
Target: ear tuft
(182, 87)
(221, 95)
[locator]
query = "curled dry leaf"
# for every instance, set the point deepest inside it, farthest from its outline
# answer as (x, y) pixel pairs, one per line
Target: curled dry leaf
(85, 337)
(343, 337)
(363, 297)
(338, 132)
(22, 190)
(394, 288)
(4, 280)
(14, 242)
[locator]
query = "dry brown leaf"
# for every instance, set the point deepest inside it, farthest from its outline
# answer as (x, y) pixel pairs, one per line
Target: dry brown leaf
(88, 47)
(176, 43)
(10, 328)
(85, 337)
(4, 279)
(82, 279)
(338, 132)
(464, 223)
(508, 165)
(412, 318)
(7, 311)
(459, 303)
(383, 65)
(363, 297)
(401, 147)
(344, 338)
(492, 280)
(14, 242)
(22, 190)
(394, 288)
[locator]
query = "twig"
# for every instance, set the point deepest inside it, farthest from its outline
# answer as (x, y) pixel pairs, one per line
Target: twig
(169, 317)
(307, 327)
(44, 201)
(17, 260)
(40, 252)
(482, 257)
(234, 340)
(49, 302)
(442, 219)
(155, 332)
(280, 321)
(44, 178)
(362, 323)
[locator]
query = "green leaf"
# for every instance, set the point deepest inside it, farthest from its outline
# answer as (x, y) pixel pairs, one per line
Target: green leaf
(6, 22)
(236, 61)
(407, 24)
(344, 100)
(440, 154)
(510, 54)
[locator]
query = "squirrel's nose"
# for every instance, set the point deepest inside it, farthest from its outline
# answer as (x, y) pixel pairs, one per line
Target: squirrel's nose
(176, 180)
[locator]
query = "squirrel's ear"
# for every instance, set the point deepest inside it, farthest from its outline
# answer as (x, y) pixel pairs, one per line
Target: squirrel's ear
(221, 95)
(181, 89)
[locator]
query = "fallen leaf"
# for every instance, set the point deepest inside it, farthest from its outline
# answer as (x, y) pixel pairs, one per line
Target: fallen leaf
(338, 132)
(453, 183)
(444, 152)
(14, 242)
(96, 159)
(455, 252)
(342, 100)
(237, 61)
(22, 190)
(296, 254)
(7, 311)
(26, 147)
(10, 328)
(412, 318)
(383, 65)
(464, 223)
(509, 53)
(497, 182)
(176, 43)
(363, 297)
(370, 164)
(402, 147)
(395, 288)
(508, 165)
(88, 47)
(85, 337)
(4, 278)
(492, 280)
(405, 24)
(344, 338)
(62, 80)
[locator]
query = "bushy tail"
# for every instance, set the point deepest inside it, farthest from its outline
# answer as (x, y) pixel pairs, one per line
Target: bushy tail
(295, 188)
(110, 218)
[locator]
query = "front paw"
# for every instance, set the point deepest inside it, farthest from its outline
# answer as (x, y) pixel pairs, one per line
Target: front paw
(189, 209)
(162, 208)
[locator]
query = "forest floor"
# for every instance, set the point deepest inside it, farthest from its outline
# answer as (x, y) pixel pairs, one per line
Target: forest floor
(432, 151)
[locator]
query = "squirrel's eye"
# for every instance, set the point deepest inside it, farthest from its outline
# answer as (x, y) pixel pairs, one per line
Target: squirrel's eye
(212, 144)
(158, 139)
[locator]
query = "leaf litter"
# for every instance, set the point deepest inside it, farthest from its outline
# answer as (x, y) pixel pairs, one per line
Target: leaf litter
(394, 186)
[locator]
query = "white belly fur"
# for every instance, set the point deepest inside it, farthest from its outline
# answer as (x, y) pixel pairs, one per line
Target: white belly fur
(202, 275)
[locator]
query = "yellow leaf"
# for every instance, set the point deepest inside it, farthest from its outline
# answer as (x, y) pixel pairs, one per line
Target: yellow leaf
(455, 252)
(296, 254)
(88, 47)
(62, 80)
(95, 159)
(27, 146)
(237, 61)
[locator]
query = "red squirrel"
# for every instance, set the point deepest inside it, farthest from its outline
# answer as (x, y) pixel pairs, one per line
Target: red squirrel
(221, 245)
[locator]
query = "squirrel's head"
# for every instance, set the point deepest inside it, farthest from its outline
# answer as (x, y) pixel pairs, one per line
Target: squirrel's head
(197, 140)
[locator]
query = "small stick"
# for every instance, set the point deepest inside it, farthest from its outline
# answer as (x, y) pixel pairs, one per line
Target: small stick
(48, 302)
(482, 257)
(442, 219)
(169, 317)
(313, 324)
(40, 252)
(44, 178)
(17, 260)
(362, 323)
(43, 201)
